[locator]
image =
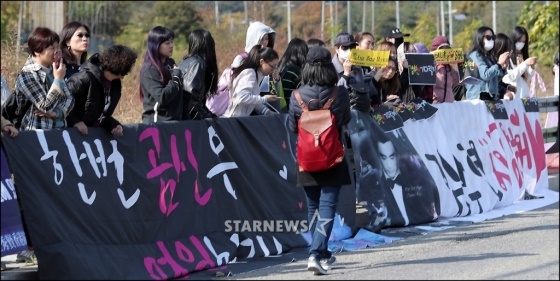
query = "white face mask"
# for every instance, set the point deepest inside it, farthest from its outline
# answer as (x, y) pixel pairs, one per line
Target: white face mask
(488, 45)
(519, 45)
(344, 54)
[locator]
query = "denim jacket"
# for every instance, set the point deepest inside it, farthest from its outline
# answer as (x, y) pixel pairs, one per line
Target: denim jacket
(489, 71)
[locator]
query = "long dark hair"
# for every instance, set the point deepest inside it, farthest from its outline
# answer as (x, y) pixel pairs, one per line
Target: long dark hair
(202, 43)
(156, 36)
(65, 35)
(478, 40)
(515, 36)
(294, 55)
(253, 60)
(501, 44)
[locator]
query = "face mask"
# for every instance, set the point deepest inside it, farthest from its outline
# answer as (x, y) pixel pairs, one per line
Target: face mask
(344, 54)
(489, 45)
(519, 45)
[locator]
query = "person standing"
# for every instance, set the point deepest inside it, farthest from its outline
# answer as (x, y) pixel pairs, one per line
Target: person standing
(490, 70)
(74, 42)
(161, 89)
(245, 90)
(97, 89)
(395, 36)
(446, 76)
(41, 84)
(319, 79)
(200, 75)
(290, 65)
(520, 70)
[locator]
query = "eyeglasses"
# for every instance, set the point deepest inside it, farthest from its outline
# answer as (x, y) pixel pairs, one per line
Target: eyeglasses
(81, 35)
(272, 66)
(490, 37)
(344, 48)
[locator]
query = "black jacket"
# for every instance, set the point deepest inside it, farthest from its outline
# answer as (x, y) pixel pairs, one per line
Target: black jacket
(194, 88)
(89, 95)
(161, 102)
(339, 174)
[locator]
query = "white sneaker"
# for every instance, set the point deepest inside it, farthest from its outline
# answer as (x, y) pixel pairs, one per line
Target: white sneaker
(315, 266)
(328, 263)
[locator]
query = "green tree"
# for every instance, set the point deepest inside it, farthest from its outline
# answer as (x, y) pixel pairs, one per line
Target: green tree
(9, 18)
(541, 22)
(180, 16)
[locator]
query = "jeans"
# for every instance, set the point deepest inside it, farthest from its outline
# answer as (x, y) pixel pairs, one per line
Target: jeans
(323, 199)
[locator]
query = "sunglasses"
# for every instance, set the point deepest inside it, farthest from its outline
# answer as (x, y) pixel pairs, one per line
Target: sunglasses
(490, 37)
(81, 35)
(344, 48)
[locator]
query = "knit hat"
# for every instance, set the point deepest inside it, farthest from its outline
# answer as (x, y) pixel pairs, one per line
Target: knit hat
(421, 48)
(438, 42)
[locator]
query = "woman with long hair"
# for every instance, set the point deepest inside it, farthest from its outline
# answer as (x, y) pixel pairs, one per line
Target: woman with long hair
(160, 79)
(200, 79)
(490, 70)
(74, 41)
(290, 65)
(520, 70)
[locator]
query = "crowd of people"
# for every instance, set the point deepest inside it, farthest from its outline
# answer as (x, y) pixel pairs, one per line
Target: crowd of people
(82, 92)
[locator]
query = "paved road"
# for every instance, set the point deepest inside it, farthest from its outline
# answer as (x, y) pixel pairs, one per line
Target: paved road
(520, 246)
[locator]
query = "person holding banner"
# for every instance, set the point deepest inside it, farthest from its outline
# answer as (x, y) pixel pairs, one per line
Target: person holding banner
(446, 76)
(9, 128)
(365, 41)
(351, 77)
(490, 70)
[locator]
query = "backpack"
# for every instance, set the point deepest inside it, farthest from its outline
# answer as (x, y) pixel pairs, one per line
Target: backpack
(219, 102)
(318, 145)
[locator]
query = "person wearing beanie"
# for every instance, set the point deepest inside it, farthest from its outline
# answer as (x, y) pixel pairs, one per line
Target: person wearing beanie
(446, 76)
(421, 48)
(428, 90)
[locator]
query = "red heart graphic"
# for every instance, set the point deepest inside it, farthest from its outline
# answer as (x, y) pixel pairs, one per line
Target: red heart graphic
(300, 204)
(451, 55)
(419, 70)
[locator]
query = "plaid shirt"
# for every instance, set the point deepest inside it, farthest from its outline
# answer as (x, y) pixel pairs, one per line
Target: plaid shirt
(31, 85)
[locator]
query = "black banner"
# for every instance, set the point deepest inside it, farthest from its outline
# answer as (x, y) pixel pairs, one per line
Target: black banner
(161, 201)
(421, 69)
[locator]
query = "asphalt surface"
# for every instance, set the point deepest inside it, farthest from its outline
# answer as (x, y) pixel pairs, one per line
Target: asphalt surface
(521, 246)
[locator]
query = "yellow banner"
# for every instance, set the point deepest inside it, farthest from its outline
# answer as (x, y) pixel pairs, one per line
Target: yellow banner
(369, 58)
(449, 55)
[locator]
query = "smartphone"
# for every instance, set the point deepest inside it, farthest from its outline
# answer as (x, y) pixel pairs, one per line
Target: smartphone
(57, 57)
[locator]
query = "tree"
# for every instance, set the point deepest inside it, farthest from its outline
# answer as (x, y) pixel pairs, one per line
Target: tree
(541, 22)
(179, 16)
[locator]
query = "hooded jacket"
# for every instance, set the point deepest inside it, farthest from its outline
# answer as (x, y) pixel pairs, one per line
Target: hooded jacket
(89, 94)
(255, 33)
